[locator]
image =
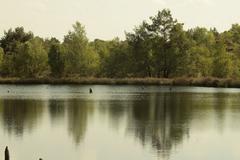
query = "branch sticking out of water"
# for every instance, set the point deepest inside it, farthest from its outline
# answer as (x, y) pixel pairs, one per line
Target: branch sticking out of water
(7, 156)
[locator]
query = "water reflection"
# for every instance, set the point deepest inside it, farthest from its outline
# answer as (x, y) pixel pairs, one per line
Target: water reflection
(161, 121)
(20, 115)
(56, 110)
(78, 113)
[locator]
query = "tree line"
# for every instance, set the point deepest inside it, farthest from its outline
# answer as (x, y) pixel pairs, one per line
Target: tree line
(158, 47)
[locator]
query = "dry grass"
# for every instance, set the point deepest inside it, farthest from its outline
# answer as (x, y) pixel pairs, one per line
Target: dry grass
(204, 82)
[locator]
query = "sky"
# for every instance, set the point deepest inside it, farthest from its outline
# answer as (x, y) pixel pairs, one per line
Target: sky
(106, 19)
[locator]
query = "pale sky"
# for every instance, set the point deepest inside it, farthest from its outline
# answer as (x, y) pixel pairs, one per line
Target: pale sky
(106, 19)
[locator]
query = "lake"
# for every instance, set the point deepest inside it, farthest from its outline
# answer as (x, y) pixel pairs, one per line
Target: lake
(65, 122)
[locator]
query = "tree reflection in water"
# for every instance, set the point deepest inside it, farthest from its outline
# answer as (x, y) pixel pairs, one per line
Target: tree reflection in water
(57, 110)
(161, 121)
(20, 115)
(157, 119)
(78, 113)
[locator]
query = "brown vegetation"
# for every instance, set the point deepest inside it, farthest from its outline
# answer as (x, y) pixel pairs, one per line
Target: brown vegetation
(203, 82)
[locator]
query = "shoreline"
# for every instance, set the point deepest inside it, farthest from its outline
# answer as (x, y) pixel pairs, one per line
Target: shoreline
(198, 82)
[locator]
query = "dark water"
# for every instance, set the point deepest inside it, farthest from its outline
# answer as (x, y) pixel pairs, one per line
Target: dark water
(119, 123)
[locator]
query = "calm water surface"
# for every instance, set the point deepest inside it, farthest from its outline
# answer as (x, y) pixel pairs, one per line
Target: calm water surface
(119, 123)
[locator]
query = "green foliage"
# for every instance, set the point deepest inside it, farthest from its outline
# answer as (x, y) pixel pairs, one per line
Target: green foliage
(7, 65)
(102, 49)
(199, 62)
(201, 53)
(140, 51)
(48, 43)
(12, 38)
(203, 37)
(117, 63)
(179, 46)
(223, 66)
(160, 30)
(56, 59)
(1, 59)
(231, 39)
(80, 58)
(159, 47)
(31, 59)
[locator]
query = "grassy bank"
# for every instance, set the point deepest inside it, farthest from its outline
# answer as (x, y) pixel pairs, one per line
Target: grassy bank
(204, 82)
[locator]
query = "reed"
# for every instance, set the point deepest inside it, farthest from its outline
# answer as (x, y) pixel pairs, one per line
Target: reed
(182, 81)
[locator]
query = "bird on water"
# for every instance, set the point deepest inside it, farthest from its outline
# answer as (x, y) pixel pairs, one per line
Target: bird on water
(90, 90)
